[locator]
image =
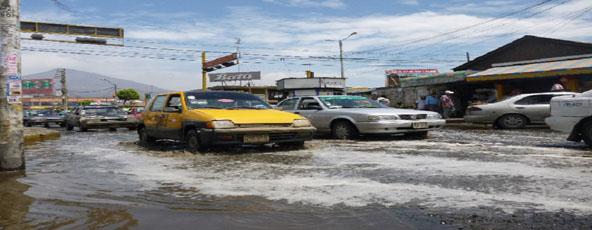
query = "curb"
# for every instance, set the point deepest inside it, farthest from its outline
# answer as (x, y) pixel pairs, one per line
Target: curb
(33, 135)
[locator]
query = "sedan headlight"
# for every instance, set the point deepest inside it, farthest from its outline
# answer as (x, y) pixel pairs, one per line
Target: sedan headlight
(382, 117)
(222, 124)
(434, 116)
(301, 123)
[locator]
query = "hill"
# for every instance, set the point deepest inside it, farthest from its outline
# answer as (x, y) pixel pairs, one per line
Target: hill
(85, 84)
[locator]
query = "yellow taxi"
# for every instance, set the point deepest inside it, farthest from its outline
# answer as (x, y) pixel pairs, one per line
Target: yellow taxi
(220, 118)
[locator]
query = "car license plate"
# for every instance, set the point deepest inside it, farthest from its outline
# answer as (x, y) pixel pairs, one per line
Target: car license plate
(420, 125)
(256, 138)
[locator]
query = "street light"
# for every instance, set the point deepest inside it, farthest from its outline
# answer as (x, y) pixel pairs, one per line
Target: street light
(114, 85)
(341, 51)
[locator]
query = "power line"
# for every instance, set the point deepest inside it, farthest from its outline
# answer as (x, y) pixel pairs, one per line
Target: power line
(453, 31)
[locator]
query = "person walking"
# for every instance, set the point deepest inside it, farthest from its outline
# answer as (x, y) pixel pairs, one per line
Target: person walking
(420, 103)
(432, 103)
(447, 104)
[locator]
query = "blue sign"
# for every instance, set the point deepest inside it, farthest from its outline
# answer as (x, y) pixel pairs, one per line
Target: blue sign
(14, 78)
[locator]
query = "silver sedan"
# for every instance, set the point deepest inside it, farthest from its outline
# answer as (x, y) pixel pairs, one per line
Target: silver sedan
(345, 117)
(514, 112)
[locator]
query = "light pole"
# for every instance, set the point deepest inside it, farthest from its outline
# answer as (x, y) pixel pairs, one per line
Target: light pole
(114, 85)
(341, 51)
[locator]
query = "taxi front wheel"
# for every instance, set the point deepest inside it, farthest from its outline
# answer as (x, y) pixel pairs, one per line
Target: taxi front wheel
(192, 141)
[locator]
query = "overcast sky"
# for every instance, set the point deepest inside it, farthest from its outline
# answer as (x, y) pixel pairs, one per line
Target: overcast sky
(284, 38)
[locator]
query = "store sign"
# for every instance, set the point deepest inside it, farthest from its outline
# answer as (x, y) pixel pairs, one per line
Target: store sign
(241, 76)
(411, 72)
(37, 86)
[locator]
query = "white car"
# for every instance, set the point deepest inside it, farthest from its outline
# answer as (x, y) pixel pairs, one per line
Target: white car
(345, 117)
(573, 114)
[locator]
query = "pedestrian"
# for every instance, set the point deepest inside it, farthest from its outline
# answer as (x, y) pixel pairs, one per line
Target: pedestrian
(420, 103)
(432, 103)
(557, 87)
(384, 100)
(447, 104)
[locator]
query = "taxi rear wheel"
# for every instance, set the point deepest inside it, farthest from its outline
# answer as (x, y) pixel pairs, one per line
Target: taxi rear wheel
(69, 126)
(145, 139)
(192, 141)
(343, 130)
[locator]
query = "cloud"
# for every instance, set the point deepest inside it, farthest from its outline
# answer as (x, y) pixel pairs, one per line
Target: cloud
(281, 46)
(409, 2)
(333, 4)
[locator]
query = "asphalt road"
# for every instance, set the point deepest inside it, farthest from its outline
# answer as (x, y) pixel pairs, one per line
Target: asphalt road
(469, 178)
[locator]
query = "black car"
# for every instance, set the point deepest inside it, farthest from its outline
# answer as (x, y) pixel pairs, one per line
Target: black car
(97, 117)
(43, 117)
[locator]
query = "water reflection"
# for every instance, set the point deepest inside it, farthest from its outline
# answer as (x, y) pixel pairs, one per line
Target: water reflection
(14, 204)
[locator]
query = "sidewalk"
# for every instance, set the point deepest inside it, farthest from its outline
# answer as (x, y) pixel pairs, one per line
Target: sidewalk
(36, 134)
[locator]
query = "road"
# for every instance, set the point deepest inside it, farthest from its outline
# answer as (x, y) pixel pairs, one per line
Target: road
(457, 178)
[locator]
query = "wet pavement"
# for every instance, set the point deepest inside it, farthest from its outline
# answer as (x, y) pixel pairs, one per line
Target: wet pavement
(456, 179)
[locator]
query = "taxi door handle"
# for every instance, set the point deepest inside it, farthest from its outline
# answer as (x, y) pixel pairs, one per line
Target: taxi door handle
(520, 107)
(296, 112)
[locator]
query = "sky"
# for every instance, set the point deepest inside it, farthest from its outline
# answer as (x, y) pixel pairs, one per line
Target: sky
(285, 38)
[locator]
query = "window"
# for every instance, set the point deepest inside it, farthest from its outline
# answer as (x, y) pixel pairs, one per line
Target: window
(174, 104)
(158, 103)
(288, 104)
(535, 100)
(308, 104)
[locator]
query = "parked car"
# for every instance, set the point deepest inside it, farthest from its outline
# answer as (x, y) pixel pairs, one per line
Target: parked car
(572, 115)
(136, 112)
(514, 112)
(218, 118)
(345, 117)
(43, 117)
(97, 117)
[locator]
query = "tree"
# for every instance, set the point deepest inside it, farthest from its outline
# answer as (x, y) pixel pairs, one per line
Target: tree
(128, 94)
(85, 102)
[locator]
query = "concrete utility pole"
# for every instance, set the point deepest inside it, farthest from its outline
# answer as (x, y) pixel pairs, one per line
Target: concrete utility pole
(341, 51)
(114, 85)
(64, 90)
(12, 156)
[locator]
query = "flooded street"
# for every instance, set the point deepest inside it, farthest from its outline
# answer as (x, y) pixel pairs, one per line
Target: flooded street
(471, 179)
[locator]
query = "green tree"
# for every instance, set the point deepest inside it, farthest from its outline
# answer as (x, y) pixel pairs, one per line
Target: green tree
(85, 102)
(128, 94)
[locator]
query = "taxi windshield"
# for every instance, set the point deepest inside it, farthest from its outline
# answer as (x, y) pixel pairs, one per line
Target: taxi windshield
(224, 100)
(338, 102)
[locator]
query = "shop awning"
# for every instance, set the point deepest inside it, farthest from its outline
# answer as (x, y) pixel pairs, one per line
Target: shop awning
(545, 69)
(433, 79)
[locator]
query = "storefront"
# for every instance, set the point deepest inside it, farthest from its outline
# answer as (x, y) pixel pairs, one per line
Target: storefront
(575, 74)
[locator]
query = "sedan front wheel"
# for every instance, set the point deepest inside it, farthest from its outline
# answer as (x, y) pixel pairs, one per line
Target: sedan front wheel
(344, 130)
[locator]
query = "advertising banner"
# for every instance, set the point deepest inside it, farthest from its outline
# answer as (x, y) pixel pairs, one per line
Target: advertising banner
(37, 86)
(411, 72)
(242, 76)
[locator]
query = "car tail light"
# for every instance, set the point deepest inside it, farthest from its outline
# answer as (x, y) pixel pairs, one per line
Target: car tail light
(473, 109)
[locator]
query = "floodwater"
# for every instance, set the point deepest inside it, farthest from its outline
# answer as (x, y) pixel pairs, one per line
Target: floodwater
(471, 179)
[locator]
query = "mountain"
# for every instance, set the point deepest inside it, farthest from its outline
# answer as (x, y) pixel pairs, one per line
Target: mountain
(85, 84)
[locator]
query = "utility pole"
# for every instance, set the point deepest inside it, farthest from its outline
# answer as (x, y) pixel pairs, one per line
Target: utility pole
(64, 90)
(12, 156)
(204, 87)
(341, 51)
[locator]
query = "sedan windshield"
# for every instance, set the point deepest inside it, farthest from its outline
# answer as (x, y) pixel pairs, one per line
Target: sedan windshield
(350, 102)
(103, 111)
(224, 100)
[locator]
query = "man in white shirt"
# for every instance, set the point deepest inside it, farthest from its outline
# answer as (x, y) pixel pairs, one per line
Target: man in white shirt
(420, 103)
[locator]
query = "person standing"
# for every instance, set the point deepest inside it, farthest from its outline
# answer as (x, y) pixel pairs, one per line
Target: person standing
(420, 103)
(432, 103)
(447, 104)
(384, 100)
